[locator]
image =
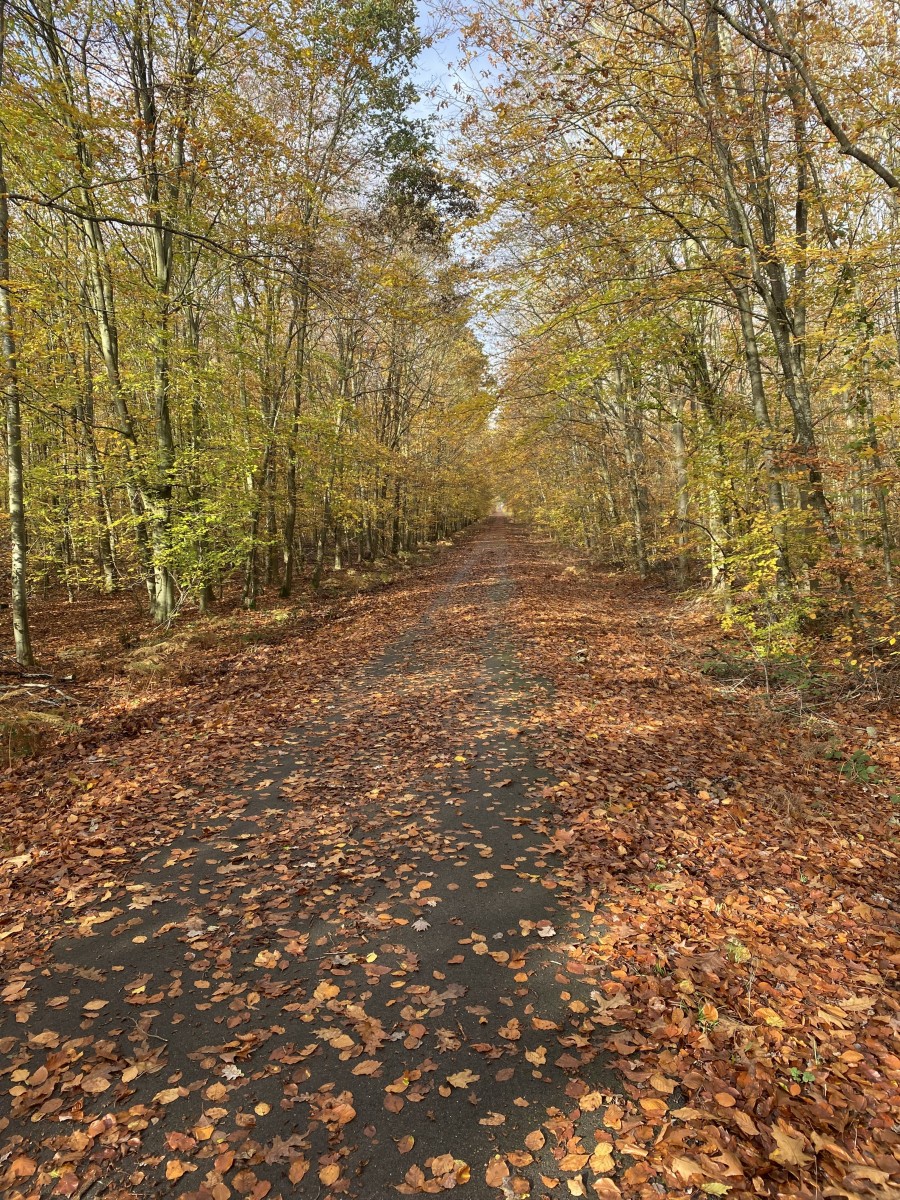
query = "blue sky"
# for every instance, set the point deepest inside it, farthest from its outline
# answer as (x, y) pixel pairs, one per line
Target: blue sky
(438, 69)
(434, 65)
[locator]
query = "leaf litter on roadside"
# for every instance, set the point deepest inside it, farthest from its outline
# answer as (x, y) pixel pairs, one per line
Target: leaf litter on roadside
(749, 948)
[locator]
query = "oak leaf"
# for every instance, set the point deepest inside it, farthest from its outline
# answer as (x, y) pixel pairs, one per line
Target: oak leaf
(789, 1145)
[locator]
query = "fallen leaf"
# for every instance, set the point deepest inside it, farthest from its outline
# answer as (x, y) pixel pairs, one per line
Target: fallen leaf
(788, 1146)
(22, 1167)
(653, 1107)
(687, 1169)
(462, 1079)
(175, 1168)
(497, 1172)
(601, 1159)
(297, 1169)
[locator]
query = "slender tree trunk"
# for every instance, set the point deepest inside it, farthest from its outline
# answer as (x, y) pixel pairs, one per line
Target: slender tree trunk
(321, 541)
(395, 516)
(271, 556)
(255, 485)
(774, 490)
(18, 538)
(881, 493)
(682, 494)
(85, 415)
(633, 443)
(290, 520)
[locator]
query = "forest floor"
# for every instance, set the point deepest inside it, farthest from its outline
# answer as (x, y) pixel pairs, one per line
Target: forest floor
(474, 881)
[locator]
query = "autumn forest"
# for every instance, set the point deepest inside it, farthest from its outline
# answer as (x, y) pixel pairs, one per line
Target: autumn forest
(450, 680)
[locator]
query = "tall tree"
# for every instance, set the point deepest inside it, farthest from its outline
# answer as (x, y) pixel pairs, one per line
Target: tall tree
(15, 473)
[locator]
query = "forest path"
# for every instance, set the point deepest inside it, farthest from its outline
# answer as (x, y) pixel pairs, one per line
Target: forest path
(352, 981)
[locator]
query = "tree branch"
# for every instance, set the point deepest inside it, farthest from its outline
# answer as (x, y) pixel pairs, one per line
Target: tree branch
(786, 49)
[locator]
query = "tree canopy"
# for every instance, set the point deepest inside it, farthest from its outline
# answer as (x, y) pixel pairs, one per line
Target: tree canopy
(240, 334)
(692, 216)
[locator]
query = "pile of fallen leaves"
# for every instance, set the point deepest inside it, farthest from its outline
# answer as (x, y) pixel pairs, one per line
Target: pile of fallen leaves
(749, 890)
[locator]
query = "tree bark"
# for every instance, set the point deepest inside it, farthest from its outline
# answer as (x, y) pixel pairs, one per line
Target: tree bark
(18, 536)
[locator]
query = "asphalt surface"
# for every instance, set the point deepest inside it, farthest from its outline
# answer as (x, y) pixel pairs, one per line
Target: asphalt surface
(361, 965)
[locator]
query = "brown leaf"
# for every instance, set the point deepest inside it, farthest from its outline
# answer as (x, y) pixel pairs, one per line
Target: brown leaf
(175, 1168)
(687, 1113)
(602, 1160)
(462, 1079)
(297, 1169)
(493, 1118)
(22, 1167)
(744, 1122)
(653, 1107)
(180, 1142)
(95, 1084)
(497, 1172)
(789, 1145)
(343, 1113)
(415, 1178)
(687, 1169)
(661, 1083)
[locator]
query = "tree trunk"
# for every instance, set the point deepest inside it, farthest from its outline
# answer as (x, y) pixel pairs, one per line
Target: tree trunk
(18, 537)
(85, 414)
(682, 494)
(290, 520)
(19, 548)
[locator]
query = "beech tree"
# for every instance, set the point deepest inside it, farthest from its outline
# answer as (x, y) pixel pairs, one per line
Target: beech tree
(692, 239)
(15, 475)
(232, 318)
